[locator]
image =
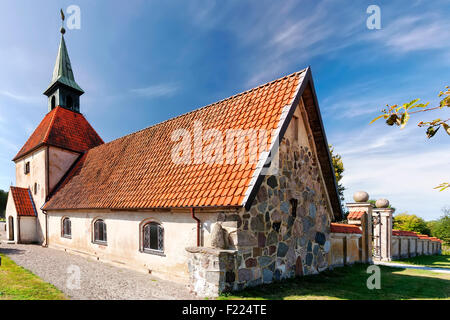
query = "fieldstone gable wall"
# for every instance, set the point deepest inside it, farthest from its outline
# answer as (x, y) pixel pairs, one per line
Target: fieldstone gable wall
(286, 231)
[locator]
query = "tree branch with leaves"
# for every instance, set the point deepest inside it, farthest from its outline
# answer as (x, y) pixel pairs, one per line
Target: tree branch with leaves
(400, 115)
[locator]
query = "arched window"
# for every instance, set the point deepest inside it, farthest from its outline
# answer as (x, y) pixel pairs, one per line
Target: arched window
(152, 237)
(66, 228)
(53, 102)
(69, 101)
(100, 232)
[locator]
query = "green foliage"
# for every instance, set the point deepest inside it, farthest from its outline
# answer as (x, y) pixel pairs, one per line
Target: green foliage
(3, 200)
(441, 228)
(411, 222)
(338, 166)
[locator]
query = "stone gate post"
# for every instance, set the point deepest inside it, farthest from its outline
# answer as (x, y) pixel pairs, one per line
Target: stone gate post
(383, 229)
(360, 214)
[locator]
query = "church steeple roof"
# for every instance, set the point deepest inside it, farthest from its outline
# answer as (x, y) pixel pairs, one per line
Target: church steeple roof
(62, 73)
(64, 129)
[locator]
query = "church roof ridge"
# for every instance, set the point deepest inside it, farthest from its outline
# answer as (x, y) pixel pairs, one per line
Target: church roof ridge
(297, 73)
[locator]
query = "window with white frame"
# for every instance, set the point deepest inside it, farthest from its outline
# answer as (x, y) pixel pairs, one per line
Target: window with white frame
(100, 232)
(152, 237)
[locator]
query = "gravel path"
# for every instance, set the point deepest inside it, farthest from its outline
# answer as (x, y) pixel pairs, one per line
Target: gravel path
(98, 281)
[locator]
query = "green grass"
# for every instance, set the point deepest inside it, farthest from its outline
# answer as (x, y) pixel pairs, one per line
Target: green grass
(350, 283)
(442, 261)
(17, 283)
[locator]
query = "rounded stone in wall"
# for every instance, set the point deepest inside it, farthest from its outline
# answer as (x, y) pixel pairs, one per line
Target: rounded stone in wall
(382, 203)
(361, 196)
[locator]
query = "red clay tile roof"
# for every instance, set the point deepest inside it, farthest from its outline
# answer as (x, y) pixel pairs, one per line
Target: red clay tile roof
(344, 228)
(64, 129)
(137, 171)
(403, 233)
(355, 215)
(414, 234)
(435, 239)
(23, 201)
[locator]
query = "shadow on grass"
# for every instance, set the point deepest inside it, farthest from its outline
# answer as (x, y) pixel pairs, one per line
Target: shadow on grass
(438, 261)
(350, 283)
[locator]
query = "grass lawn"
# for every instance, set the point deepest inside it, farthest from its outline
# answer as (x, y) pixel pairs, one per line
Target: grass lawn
(442, 261)
(17, 283)
(350, 283)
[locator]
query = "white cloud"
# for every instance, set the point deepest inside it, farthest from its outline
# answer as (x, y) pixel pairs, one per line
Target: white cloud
(159, 90)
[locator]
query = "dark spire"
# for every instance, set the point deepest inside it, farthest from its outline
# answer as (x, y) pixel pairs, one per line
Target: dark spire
(63, 90)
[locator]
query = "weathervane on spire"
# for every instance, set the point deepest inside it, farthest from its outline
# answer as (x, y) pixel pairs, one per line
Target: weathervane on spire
(63, 17)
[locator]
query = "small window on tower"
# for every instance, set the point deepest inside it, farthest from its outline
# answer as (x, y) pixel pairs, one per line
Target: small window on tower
(69, 102)
(27, 167)
(53, 102)
(35, 188)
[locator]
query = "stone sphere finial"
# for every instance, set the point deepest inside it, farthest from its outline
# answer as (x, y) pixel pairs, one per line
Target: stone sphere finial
(361, 196)
(63, 31)
(382, 203)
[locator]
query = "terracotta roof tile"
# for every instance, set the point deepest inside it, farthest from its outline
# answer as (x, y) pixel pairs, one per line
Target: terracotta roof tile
(355, 215)
(23, 202)
(137, 171)
(344, 228)
(403, 233)
(64, 129)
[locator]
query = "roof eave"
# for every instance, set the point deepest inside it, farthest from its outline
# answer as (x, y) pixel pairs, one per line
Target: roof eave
(58, 82)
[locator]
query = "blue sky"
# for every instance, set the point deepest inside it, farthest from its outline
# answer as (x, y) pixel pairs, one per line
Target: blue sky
(142, 62)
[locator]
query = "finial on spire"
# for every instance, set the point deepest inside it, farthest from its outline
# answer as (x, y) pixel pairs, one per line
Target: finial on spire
(63, 17)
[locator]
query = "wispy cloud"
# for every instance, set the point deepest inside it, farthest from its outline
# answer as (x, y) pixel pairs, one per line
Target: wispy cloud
(159, 90)
(8, 144)
(21, 98)
(415, 32)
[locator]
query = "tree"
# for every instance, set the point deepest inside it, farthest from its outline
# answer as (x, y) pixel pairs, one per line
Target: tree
(411, 222)
(400, 115)
(441, 228)
(338, 166)
(3, 200)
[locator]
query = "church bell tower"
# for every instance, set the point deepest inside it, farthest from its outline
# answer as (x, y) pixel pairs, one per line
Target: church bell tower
(63, 90)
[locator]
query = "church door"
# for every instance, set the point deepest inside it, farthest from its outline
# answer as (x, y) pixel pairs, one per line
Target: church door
(11, 228)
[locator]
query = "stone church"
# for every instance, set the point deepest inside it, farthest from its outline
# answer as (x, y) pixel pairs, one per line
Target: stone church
(130, 203)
